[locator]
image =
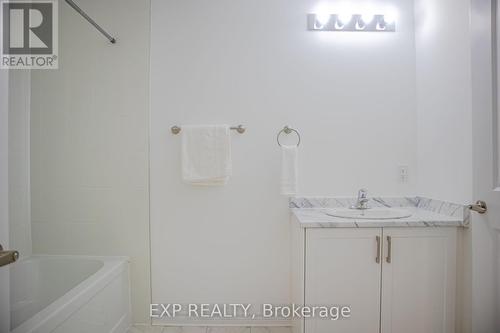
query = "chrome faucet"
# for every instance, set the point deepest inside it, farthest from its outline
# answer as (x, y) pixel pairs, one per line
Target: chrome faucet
(362, 201)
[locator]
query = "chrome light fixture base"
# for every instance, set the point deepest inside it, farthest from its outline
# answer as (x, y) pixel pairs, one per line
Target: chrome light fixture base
(355, 22)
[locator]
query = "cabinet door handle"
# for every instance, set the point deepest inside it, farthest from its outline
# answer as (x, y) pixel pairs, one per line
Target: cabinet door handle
(377, 258)
(389, 250)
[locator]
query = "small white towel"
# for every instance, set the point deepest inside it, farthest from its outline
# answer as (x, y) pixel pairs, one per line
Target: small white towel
(289, 170)
(206, 154)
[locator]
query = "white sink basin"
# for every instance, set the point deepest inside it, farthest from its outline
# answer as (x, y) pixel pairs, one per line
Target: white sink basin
(369, 214)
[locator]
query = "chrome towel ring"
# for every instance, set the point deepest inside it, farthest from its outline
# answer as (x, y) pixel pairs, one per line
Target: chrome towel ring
(288, 130)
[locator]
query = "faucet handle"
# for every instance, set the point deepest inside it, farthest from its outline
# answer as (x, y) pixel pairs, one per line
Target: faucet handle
(362, 201)
(362, 193)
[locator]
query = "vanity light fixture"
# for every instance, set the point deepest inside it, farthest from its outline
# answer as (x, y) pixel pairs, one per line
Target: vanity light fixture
(354, 22)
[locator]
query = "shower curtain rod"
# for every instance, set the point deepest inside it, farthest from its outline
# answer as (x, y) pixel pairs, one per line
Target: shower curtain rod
(91, 21)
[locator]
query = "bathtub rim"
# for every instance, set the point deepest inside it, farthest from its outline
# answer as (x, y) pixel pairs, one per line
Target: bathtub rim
(62, 308)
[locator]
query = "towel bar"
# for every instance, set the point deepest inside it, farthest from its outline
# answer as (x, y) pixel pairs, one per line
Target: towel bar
(288, 130)
(240, 129)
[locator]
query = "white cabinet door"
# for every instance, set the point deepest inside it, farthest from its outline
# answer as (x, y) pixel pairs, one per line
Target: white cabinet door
(341, 269)
(418, 280)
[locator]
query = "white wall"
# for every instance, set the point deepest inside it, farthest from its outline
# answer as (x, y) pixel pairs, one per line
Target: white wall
(19, 162)
(351, 96)
(89, 140)
(444, 100)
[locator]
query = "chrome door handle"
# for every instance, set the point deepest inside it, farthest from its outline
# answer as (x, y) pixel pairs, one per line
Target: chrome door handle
(7, 257)
(377, 258)
(479, 206)
(388, 259)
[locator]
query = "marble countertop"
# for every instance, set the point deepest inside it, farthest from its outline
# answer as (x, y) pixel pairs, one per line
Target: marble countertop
(317, 218)
(424, 213)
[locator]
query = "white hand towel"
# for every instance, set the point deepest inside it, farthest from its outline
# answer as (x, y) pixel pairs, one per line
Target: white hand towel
(206, 154)
(289, 170)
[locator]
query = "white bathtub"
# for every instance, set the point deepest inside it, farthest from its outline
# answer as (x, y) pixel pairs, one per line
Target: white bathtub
(66, 294)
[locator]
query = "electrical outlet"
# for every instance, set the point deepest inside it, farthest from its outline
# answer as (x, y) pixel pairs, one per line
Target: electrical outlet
(403, 173)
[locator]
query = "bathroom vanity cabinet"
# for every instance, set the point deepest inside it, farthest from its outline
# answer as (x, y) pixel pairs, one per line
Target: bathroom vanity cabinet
(394, 279)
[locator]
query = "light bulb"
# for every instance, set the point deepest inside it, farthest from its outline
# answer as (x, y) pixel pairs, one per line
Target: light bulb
(360, 26)
(344, 18)
(323, 18)
(390, 17)
(367, 18)
(381, 26)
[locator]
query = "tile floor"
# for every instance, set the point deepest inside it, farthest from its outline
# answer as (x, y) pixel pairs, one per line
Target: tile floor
(194, 329)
